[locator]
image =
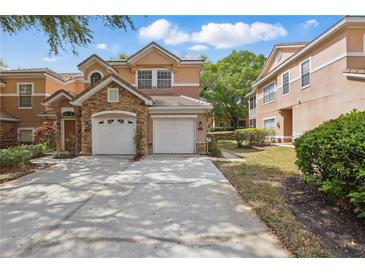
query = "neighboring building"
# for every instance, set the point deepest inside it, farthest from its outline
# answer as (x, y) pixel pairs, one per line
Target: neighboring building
(228, 122)
(148, 103)
(304, 84)
(22, 92)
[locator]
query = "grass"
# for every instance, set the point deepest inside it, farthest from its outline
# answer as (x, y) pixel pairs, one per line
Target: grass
(259, 180)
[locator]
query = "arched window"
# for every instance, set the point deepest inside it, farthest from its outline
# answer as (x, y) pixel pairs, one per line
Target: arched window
(68, 114)
(94, 77)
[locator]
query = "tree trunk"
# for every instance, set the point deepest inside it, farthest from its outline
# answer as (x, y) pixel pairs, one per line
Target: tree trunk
(235, 121)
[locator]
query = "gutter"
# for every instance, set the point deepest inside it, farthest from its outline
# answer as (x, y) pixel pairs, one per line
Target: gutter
(354, 75)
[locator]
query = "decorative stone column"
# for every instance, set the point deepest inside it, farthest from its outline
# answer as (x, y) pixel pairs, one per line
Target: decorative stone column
(85, 131)
(58, 132)
(78, 128)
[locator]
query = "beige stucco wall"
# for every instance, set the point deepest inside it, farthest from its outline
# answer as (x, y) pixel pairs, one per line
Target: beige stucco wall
(285, 54)
(330, 92)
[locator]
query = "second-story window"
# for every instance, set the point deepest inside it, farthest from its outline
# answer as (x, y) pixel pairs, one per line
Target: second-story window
(268, 93)
(145, 79)
(305, 73)
(163, 79)
(285, 80)
(25, 92)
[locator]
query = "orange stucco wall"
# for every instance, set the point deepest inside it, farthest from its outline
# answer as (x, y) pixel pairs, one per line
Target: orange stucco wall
(10, 102)
(43, 87)
(184, 75)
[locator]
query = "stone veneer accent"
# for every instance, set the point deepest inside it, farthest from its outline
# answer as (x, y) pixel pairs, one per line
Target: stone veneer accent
(127, 102)
(201, 148)
(8, 134)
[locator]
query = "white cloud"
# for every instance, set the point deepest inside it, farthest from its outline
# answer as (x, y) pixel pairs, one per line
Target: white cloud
(227, 35)
(51, 59)
(218, 35)
(102, 46)
(163, 30)
(198, 47)
(310, 23)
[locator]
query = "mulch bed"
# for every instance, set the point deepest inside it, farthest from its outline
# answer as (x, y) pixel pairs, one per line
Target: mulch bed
(14, 172)
(340, 231)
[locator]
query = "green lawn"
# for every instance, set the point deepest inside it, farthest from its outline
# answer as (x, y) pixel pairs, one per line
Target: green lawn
(259, 180)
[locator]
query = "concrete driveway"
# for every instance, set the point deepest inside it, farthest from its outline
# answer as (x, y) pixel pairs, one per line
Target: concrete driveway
(105, 207)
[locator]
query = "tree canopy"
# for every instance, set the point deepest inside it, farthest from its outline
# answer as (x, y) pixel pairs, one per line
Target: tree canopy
(62, 29)
(120, 56)
(226, 83)
(3, 65)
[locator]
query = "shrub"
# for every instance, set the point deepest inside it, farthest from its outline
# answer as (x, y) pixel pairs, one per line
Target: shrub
(253, 136)
(213, 147)
(332, 156)
(21, 154)
(46, 134)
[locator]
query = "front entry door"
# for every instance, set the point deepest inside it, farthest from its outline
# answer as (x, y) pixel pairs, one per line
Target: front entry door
(69, 131)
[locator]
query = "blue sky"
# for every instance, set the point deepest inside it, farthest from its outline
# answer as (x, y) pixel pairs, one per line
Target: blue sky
(189, 36)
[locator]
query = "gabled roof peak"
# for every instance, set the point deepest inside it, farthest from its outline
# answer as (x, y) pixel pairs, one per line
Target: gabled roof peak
(291, 44)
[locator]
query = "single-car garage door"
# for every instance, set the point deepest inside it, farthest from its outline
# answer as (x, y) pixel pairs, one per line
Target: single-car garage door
(113, 135)
(173, 135)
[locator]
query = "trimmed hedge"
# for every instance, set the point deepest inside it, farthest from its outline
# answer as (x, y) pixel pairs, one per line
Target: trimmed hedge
(216, 129)
(253, 136)
(332, 156)
(221, 135)
(21, 154)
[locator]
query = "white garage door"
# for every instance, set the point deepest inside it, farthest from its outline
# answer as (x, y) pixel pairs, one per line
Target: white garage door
(174, 135)
(113, 135)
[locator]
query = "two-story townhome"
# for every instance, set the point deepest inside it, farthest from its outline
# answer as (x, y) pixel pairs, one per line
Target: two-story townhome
(148, 103)
(22, 92)
(304, 84)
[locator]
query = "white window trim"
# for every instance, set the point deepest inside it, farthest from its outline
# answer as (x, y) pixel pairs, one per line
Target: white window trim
(263, 95)
(310, 72)
(269, 118)
(113, 89)
(282, 83)
(91, 73)
(18, 91)
(154, 77)
(26, 128)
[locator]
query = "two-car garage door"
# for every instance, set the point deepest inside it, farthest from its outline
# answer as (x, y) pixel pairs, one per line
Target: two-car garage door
(173, 135)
